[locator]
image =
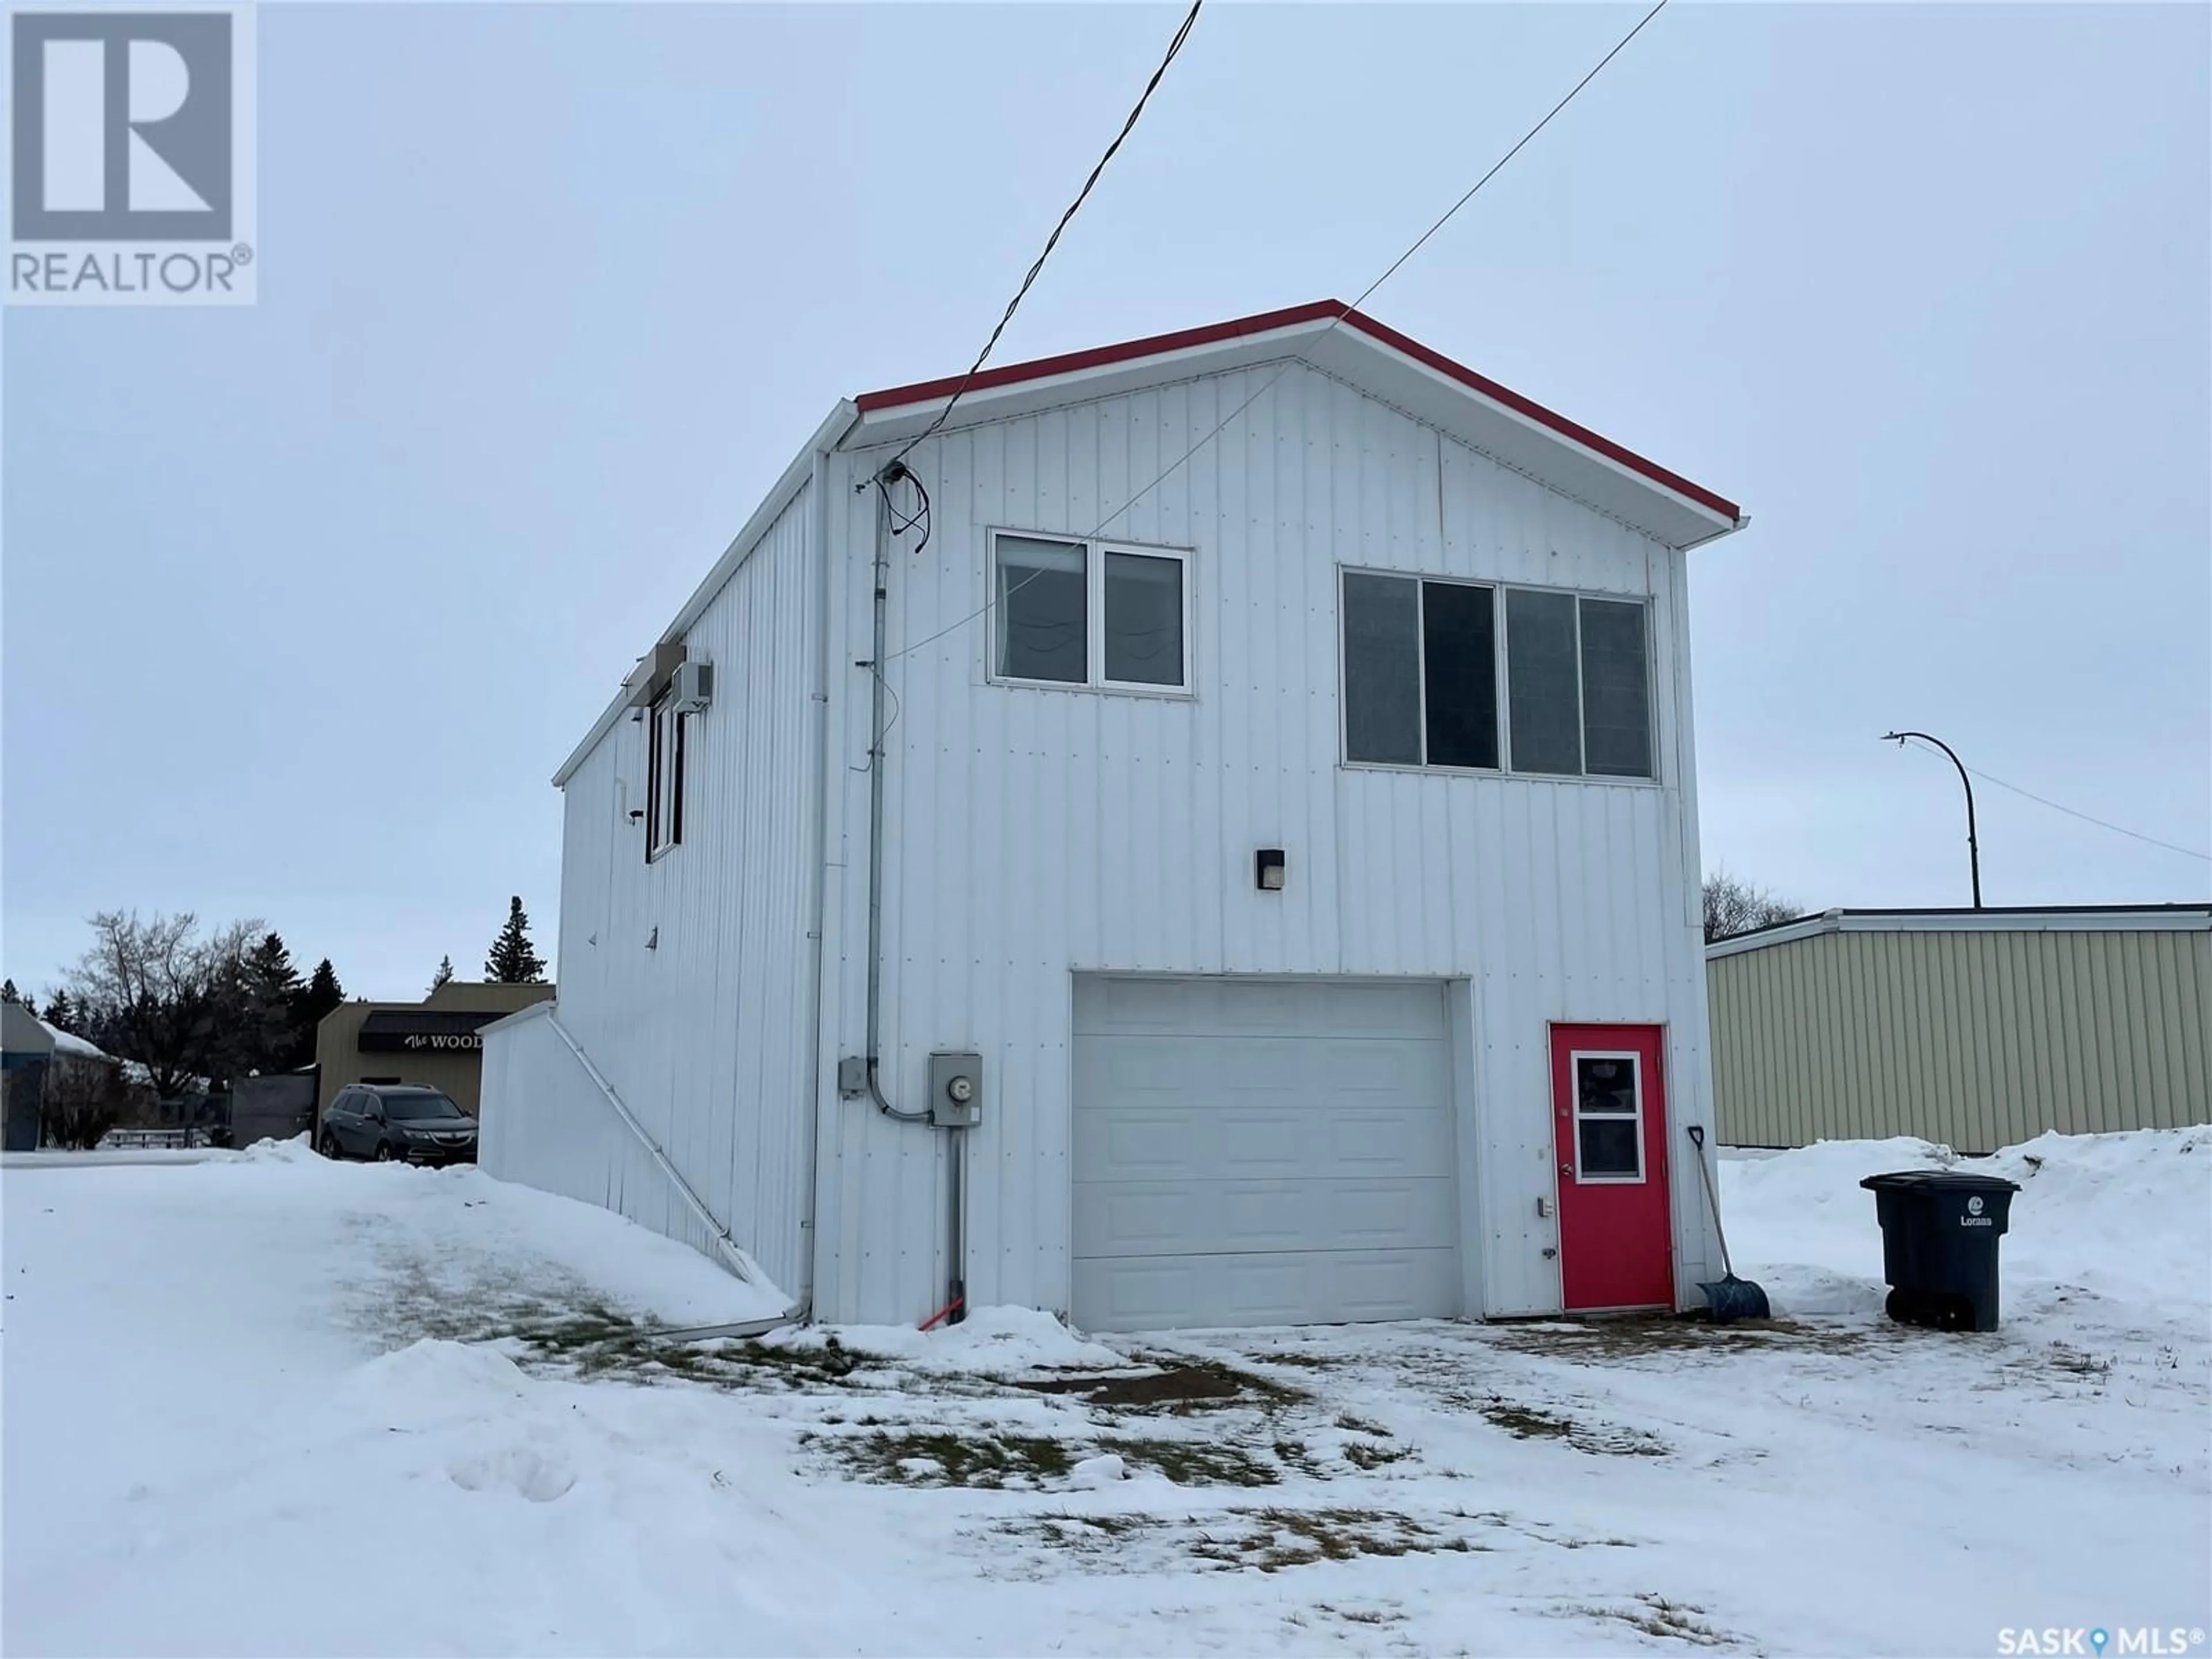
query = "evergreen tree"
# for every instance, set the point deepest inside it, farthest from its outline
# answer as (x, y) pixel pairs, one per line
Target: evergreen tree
(513, 959)
(323, 995)
(62, 1014)
(271, 988)
(9, 993)
(445, 974)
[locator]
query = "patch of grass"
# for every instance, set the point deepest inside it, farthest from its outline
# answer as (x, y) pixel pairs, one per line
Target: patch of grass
(1608, 1341)
(1213, 1384)
(1533, 1423)
(1270, 1539)
(1361, 1455)
(1175, 1385)
(917, 1457)
(1309, 1362)
(1353, 1423)
(1361, 1615)
(1197, 1462)
(596, 1341)
(800, 1363)
(1654, 1615)
(1525, 1422)
(1107, 1526)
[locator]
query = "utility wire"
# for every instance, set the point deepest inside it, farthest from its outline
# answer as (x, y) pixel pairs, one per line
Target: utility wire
(2071, 813)
(1052, 241)
(1283, 367)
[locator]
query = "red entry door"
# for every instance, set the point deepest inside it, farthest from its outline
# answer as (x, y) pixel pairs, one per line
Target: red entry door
(1609, 1129)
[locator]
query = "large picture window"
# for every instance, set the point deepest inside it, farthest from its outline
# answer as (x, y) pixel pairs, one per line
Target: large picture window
(1425, 662)
(1084, 613)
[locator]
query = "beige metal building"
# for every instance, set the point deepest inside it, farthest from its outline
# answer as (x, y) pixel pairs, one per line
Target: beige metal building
(1976, 1029)
(432, 1041)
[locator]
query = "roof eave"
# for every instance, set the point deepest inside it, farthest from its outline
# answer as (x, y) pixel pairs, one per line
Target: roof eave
(827, 437)
(2016, 919)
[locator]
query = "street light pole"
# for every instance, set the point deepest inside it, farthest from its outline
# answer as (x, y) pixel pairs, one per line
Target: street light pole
(1973, 847)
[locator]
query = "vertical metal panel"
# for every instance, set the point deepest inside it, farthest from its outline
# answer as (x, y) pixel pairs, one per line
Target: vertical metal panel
(686, 979)
(1035, 833)
(550, 1128)
(1975, 1038)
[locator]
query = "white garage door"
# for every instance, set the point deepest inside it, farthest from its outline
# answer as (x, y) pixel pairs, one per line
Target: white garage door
(1261, 1152)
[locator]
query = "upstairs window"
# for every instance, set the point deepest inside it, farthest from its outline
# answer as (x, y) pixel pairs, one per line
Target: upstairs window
(664, 773)
(1094, 614)
(1425, 663)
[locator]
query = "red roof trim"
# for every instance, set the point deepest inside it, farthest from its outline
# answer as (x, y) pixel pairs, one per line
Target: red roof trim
(1074, 363)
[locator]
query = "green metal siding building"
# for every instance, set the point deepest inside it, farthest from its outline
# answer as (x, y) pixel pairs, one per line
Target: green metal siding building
(1976, 1029)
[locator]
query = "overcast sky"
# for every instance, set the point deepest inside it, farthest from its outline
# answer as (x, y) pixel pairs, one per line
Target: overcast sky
(304, 603)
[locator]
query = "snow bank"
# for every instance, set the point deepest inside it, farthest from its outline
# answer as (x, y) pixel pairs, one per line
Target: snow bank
(2120, 1218)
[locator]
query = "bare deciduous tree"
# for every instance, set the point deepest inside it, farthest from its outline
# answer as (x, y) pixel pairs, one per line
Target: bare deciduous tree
(82, 1100)
(1733, 906)
(155, 991)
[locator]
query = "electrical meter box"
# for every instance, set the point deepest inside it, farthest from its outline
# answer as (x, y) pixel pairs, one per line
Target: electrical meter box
(956, 1091)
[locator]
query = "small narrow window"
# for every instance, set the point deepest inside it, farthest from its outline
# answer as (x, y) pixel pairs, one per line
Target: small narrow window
(1608, 1119)
(1144, 619)
(1381, 669)
(1458, 665)
(664, 770)
(1044, 613)
(1616, 690)
(1541, 681)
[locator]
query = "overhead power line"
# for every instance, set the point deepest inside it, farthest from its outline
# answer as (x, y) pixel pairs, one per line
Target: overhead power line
(1218, 426)
(1052, 241)
(2072, 813)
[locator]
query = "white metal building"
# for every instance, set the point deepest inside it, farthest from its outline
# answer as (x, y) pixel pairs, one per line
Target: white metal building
(1285, 864)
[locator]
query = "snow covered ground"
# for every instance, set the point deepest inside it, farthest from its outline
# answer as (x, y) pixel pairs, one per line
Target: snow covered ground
(263, 1404)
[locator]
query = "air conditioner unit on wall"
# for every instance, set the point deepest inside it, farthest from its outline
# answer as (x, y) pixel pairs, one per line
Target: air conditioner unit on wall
(692, 687)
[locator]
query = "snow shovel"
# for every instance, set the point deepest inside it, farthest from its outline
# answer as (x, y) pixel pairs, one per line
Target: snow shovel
(1731, 1298)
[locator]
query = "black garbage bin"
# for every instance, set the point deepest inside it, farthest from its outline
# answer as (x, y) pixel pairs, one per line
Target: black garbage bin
(1939, 1245)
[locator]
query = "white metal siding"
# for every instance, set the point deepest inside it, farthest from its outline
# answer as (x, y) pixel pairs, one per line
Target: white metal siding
(687, 979)
(1262, 1152)
(1035, 833)
(552, 1129)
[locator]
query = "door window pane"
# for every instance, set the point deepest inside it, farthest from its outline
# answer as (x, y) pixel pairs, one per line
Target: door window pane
(1042, 619)
(1616, 690)
(1459, 642)
(1605, 1117)
(1608, 1147)
(1144, 619)
(1607, 1084)
(1381, 669)
(1540, 682)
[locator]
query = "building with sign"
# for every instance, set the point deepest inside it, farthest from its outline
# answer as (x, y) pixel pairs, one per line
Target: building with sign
(433, 1041)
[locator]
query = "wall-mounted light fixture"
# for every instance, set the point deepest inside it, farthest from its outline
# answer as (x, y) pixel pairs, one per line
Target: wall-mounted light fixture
(1267, 868)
